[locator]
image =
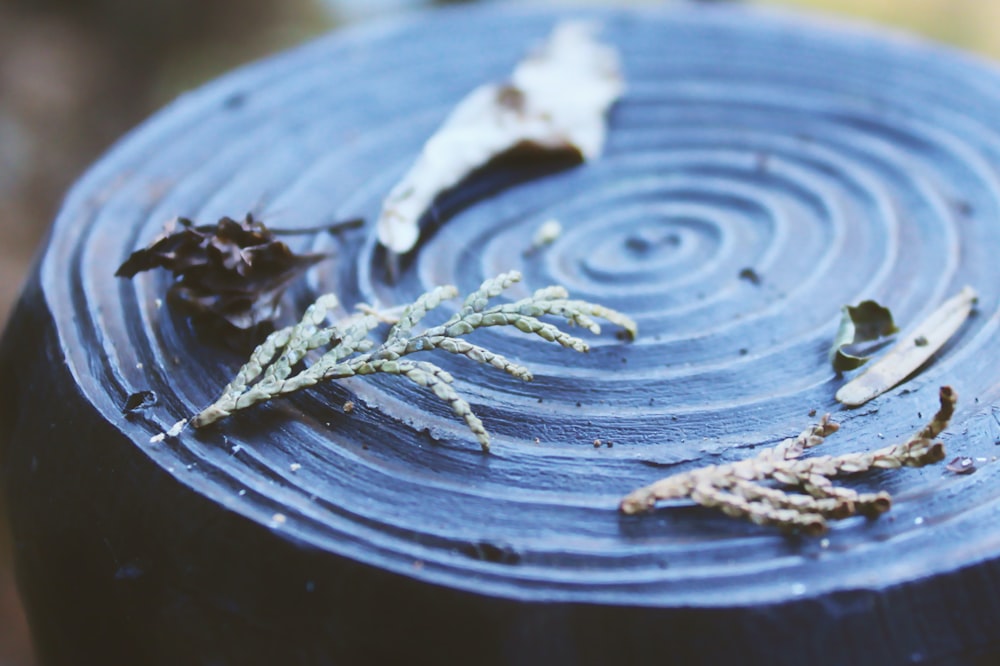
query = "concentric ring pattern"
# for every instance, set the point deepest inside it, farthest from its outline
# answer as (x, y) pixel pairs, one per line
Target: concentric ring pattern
(760, 173)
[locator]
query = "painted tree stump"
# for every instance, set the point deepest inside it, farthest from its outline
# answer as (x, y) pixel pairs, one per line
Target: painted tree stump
(761, 172)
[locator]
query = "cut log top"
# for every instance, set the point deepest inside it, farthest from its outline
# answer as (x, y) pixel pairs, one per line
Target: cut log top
(830, 164)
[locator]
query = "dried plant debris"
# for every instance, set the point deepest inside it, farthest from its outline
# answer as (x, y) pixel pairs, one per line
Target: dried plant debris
(962, 465)
(138, 401)
(865, 328)
(349, 352)
(235, 271)
(556, 99)
(910, 352)
(751, 276)
(546, 234)
(738, 489)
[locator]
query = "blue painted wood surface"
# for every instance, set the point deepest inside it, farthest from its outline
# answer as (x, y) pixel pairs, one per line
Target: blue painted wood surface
(837, 163)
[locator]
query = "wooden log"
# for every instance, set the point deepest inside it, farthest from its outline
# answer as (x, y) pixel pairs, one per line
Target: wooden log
(830, 163)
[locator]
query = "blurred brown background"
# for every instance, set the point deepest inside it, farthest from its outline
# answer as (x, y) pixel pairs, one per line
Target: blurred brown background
(76, 74)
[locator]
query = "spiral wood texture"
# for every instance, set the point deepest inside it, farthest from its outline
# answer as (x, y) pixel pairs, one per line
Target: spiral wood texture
(761, 171)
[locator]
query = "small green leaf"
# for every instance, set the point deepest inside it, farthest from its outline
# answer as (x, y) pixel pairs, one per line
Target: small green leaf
(864, 330)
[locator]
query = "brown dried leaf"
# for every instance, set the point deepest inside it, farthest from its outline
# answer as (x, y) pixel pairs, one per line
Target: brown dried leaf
(232, 270)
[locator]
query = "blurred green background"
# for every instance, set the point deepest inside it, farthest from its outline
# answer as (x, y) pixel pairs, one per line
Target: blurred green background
(76, 74)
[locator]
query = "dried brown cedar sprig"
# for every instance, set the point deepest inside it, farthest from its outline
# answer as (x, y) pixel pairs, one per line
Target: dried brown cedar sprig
(350, 352)
(738, 489)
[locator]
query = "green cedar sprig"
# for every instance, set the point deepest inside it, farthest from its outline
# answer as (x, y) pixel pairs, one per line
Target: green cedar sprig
(351, 352)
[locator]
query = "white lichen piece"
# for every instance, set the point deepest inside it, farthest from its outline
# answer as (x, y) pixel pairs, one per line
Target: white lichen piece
(556, 99)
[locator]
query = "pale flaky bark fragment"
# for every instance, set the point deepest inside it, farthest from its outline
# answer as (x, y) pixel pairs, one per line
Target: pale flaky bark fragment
(911, 352)
(556, 99)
